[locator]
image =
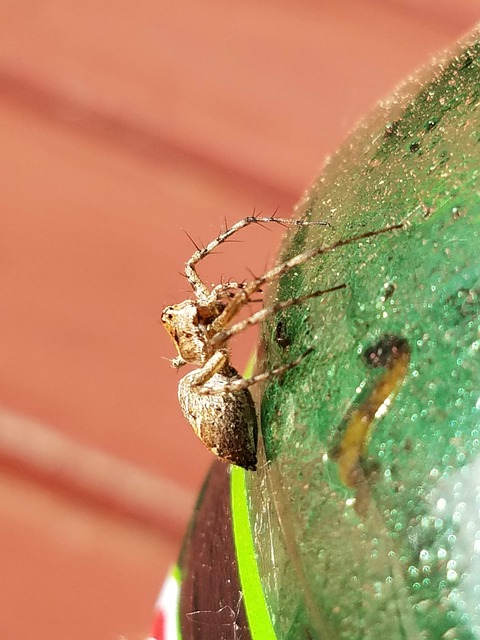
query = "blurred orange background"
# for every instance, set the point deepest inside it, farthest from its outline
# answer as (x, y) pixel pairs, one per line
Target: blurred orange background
(123, 124)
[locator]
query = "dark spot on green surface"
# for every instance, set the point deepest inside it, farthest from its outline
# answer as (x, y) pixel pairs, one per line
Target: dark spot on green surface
(388, 290)
(465, 301)
(444, 157)
(385, 351)
(415, 146)
(281, 336)
(391, 129)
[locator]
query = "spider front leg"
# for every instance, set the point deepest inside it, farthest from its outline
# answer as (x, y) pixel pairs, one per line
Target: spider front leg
(198, 286)
(243, 296)
(216, 363)
(225, 290)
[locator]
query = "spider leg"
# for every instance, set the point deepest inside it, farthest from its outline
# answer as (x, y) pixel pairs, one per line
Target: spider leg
(213, 365)
(239, 384)
(223, 336)
(224, 290)
(242, 297)
(200, 289)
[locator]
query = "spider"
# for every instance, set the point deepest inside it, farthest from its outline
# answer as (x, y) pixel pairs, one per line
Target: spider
(214, 398)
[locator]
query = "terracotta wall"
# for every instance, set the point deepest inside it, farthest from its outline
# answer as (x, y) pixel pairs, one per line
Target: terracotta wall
(121, 125)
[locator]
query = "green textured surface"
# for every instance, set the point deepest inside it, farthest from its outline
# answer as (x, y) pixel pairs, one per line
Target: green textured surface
(404, 562)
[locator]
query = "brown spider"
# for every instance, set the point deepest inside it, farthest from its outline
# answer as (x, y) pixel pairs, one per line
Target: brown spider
(214, 398)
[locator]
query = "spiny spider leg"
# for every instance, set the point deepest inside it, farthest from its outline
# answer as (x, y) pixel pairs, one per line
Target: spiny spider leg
(223, 336)
(225, 289)
(202, 293)
(229, 290)
(237, 302)
(240, 384)
(216, 363)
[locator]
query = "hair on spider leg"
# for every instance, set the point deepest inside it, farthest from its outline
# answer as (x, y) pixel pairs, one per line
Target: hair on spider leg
(197, 247)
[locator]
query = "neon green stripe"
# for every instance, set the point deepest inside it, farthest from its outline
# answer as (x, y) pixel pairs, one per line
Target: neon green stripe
(177, 575)
(253, 597)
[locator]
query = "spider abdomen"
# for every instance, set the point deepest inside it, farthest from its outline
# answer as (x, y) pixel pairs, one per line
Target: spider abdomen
(225, 422)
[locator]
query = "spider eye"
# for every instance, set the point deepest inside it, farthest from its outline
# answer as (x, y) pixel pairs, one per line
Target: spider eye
(167, 314)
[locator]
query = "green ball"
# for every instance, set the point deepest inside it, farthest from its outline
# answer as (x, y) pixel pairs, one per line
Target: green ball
(366, 506)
